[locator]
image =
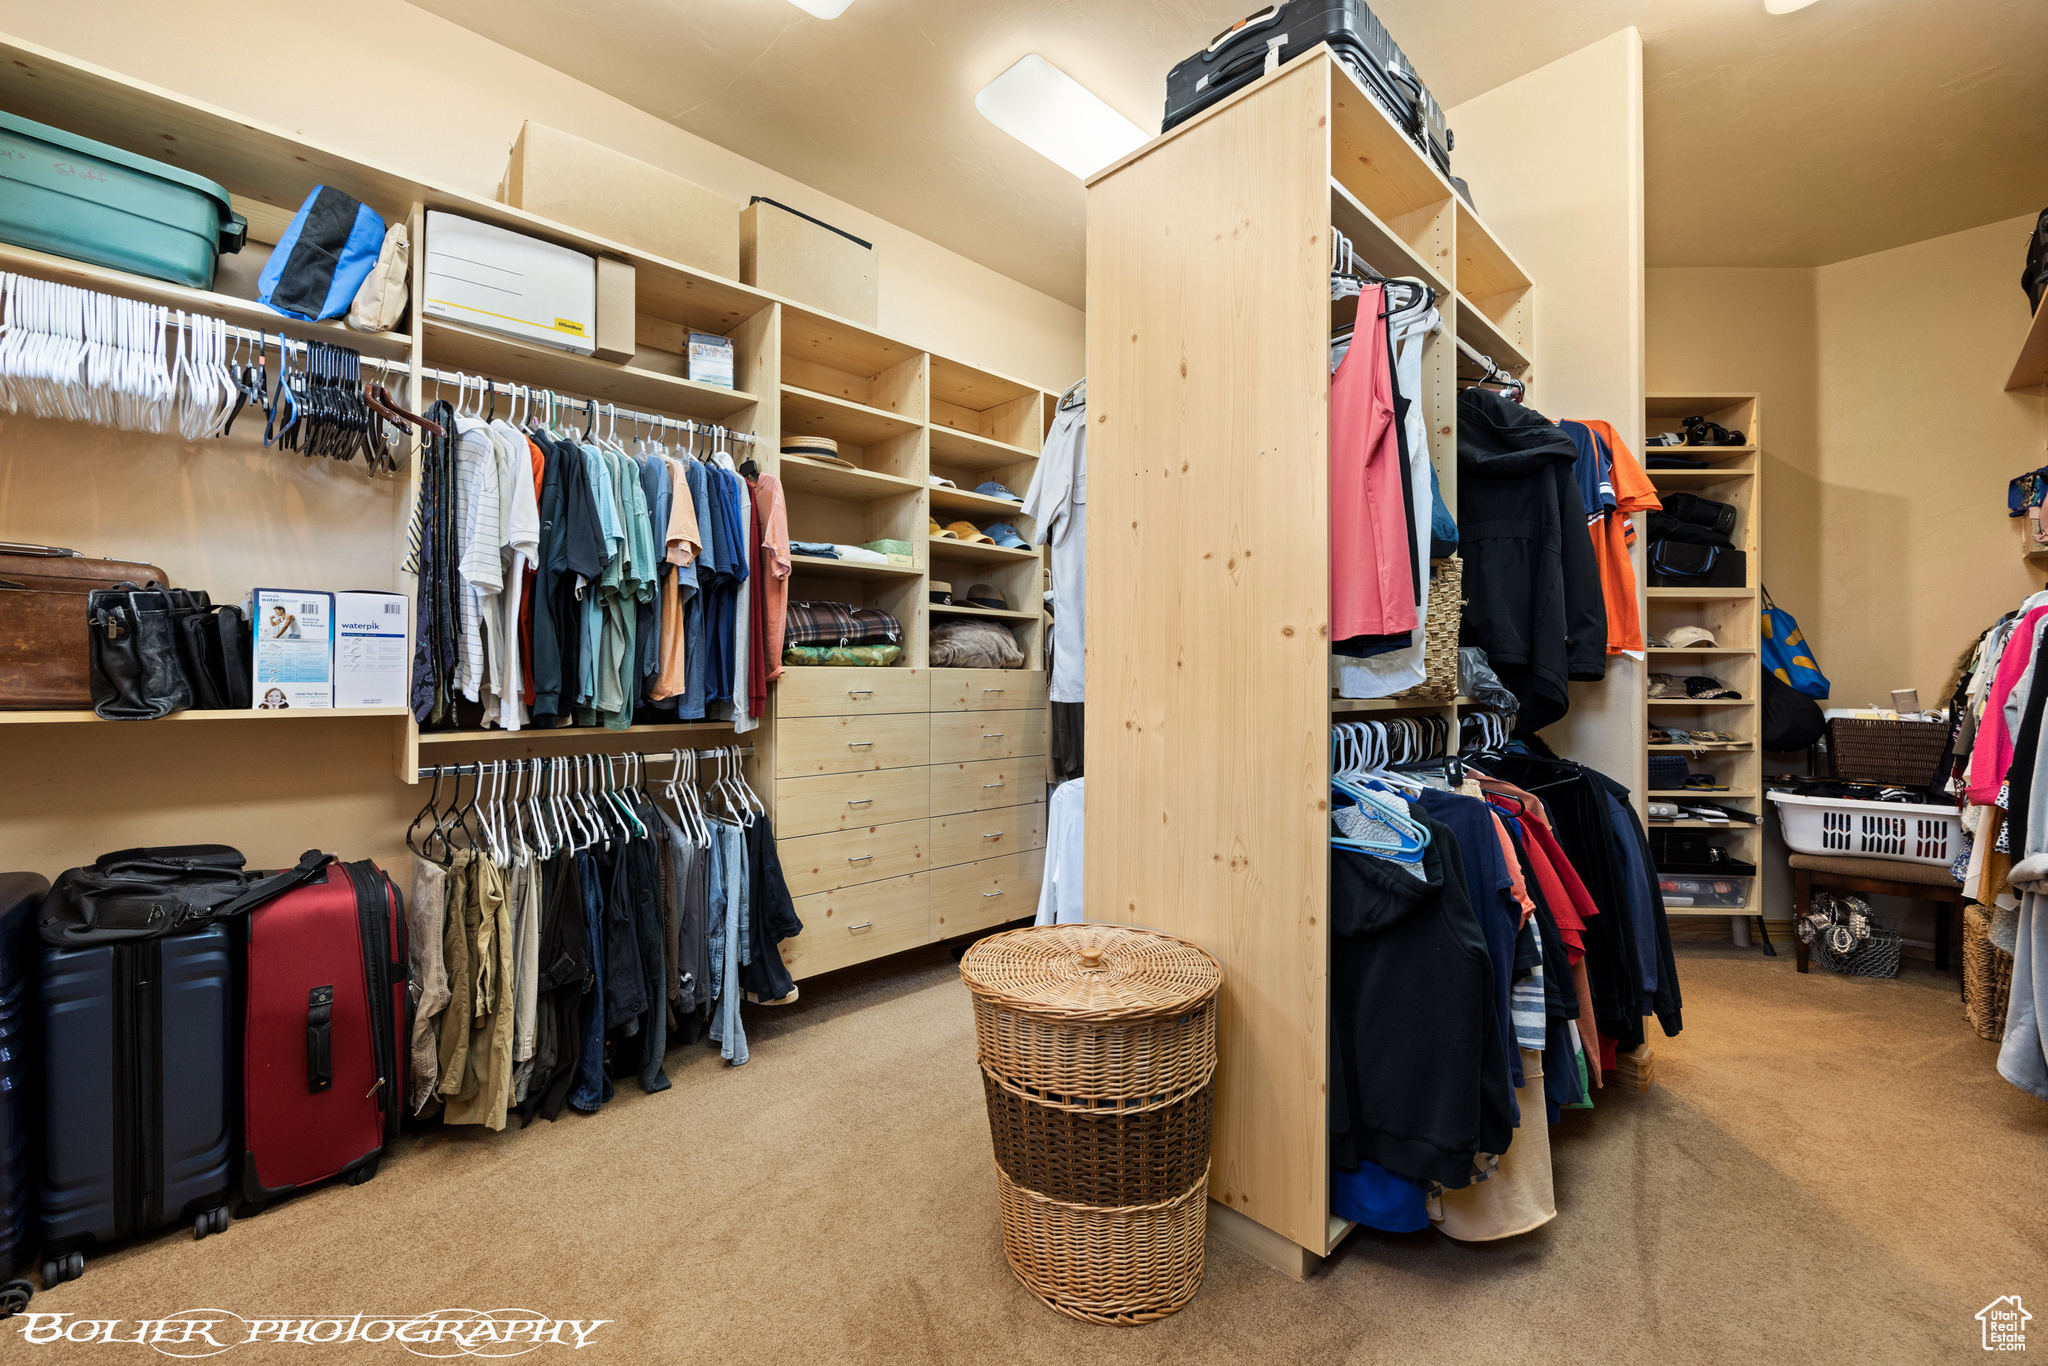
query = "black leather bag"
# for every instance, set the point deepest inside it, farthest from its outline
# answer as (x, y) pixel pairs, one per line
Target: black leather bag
(1676, 564)
(135, 671)
(149, 893)
(231, 632)
(1701, 512)
(1792, 721)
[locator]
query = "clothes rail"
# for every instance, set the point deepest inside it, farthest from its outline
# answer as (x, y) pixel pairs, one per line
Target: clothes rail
(1493, 373)
(662, 757)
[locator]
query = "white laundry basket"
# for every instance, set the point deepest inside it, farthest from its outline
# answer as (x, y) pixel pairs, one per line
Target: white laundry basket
(1852, 829)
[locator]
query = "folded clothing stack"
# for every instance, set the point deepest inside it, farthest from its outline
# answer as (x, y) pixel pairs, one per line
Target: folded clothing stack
(839, 633)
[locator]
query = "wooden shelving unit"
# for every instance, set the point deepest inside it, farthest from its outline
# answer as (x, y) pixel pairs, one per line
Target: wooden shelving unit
(1731, 614)
(2030, 371)
(65, 718)
(1211, 718)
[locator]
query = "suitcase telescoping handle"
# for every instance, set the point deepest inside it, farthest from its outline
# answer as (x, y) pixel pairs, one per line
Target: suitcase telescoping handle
(320, 1038)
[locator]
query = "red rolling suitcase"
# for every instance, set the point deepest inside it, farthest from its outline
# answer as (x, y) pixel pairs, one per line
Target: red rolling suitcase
(325, 1032)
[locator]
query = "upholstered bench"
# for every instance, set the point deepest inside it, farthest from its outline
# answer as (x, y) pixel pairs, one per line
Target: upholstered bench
(1879, 877)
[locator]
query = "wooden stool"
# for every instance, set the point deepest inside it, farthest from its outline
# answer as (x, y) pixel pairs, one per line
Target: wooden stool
(1879, 877)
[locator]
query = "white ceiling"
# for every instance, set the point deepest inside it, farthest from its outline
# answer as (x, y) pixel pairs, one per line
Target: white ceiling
(1845, 128)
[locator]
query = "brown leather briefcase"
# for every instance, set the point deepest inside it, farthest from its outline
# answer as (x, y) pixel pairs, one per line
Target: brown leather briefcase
(43, 634)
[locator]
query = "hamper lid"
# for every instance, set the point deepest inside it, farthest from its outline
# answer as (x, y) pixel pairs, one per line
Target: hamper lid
(1105, 973)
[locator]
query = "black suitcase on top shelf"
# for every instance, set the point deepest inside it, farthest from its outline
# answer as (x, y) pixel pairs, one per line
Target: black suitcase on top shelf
(21, 896)
(1238, 56)
(137, 1119)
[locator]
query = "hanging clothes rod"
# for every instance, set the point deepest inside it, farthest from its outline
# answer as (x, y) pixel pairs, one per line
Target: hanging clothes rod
(663, 757)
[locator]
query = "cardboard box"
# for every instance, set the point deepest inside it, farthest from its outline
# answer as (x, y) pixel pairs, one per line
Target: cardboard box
(617, 321)
(572, 180)
(497, 280)
(372, 666)
(292, 664)
(788, 253)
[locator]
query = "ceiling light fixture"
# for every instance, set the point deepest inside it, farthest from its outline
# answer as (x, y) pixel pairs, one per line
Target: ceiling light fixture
(832, 9)
(1785, 6)
(1057, 117)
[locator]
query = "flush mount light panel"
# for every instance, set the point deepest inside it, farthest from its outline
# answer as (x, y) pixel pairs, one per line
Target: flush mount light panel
(1785, 6)
(823, 9)
(1057, 117)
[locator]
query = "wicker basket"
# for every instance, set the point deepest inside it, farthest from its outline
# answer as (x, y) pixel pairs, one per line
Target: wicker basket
(1098, 1058)
(1896, 753)
(1987, 976)
(1440, 634)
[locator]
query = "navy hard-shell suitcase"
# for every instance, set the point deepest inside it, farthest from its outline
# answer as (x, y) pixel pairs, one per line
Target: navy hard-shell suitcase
(1285, 30)
(137, 1124)
(20, 896)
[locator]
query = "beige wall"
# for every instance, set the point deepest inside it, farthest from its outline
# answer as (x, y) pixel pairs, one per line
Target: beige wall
(1569, 205)
(392, 84)
(1888, 441)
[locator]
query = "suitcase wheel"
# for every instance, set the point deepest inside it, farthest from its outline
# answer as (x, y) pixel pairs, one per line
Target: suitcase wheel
(210, 1221)
(58, 1270)
(14, 1297)
(362, 1174)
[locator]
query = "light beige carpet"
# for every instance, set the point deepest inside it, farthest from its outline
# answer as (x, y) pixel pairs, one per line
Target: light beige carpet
(1828, 1170)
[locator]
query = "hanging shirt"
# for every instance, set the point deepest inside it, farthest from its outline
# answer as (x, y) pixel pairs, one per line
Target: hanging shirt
(1625, 490)
(678, 587)
(1059, 893)
(482, 572)
(529, 594)
(696, 636)
(774, 513)
(521, 549)
(1058, 502)
(655, 485)
(1372, 582)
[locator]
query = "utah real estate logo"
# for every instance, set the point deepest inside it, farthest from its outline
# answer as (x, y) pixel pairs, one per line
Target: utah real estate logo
(2005, 1324)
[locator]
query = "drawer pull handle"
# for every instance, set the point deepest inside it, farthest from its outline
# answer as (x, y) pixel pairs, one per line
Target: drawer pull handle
(992, 690)
(986, 895)
(860, 801)
(864, 925)
(860, 744)
(996, 836)
(860, 692)
(992, 735)
(989, 785)
(858, 858)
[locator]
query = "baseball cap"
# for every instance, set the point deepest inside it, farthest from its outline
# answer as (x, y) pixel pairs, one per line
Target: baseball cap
(992, 489)
(967, 531)
(1003, 534)
(982, 595)
(1690, 635)
(1699, 685)
(938, 532)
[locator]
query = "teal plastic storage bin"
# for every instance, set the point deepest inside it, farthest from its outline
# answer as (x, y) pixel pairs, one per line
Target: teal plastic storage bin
(71, 196)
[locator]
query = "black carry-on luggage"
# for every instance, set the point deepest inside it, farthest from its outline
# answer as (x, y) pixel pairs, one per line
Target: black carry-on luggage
(137, 1131)
(21, 896)
(1288, 28)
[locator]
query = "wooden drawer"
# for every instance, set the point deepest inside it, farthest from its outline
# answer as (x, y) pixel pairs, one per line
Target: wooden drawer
(851, 692)
(986, 785)
(971, 835)
(806, 745)
(987, 689)
(847, 801)
(847, 858)
(858, 923)
(995, 891)
(960, 737)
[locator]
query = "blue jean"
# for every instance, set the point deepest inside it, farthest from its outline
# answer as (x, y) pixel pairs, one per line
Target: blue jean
(729, 937)
(593, 1085)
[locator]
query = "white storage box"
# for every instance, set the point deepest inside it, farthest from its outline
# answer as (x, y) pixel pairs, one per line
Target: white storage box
(496, 280)
(1850, 829)
(372, 667)
(292, 664)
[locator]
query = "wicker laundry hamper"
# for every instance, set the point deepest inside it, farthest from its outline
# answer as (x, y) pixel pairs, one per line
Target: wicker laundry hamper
(1987, 976)
(1098, 1058)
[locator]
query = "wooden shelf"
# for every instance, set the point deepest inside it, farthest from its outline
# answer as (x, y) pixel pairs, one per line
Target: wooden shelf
(1682, 478)
(242, 312)
(974, 504)
(1485, 267)
(808, 413)
(852, 569)
(451, 346)
(965, 451)
(1708, 650)
(1357, 704)
(978, 553)
(997, 613)
(859, 486)
(487, 737)
(1709, 453)
(1701, 702)
(1700, 794)
(1699, 594)
(837, 344)
(1376, 243)
(57, 718)
(1743, 911)
(1704, 750)
(2030, 372)
(1481, 333)
(1733, 827)
(963, 386)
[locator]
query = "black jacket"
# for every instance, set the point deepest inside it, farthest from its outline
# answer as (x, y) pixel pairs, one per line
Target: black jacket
(1531, 582)
(1418, 1075)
